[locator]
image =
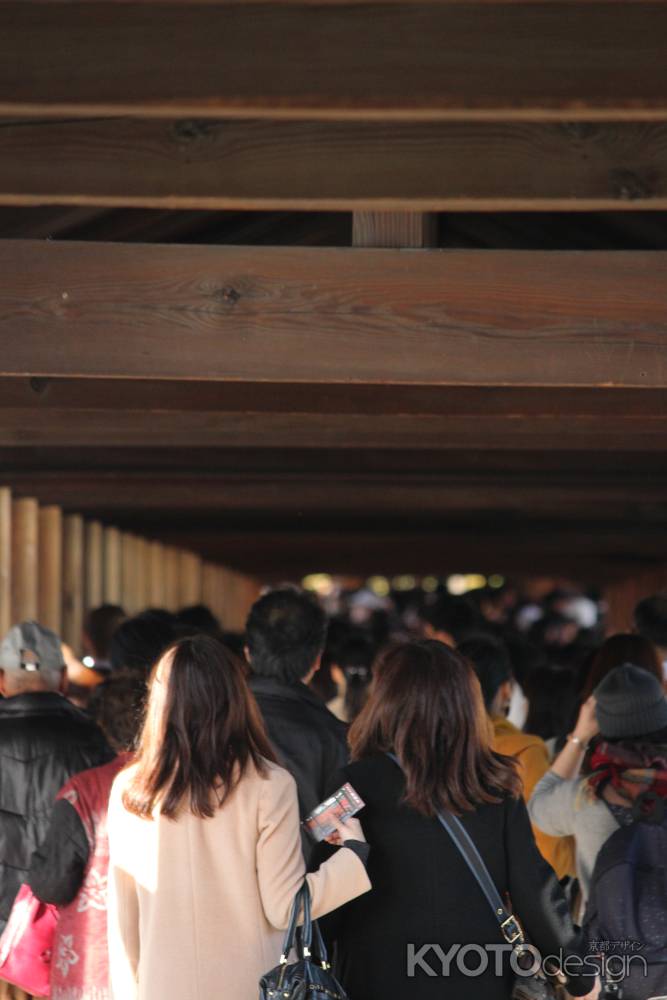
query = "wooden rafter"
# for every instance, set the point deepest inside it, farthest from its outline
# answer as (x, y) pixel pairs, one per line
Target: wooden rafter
(334, 316)
(411, 60)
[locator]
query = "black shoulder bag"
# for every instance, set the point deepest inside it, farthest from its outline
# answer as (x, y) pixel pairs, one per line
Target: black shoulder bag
(309, 978)
(529, 985)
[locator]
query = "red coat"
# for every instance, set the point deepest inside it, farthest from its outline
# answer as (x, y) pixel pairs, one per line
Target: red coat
(80, 963)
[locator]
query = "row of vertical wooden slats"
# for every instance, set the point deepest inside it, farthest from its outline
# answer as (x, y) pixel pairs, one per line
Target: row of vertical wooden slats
(55, 566)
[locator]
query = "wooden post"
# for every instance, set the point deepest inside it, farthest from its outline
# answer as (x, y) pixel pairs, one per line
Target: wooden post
(172, 564)
(112, 566)
(190, 579)
(50, 575)
(94, 594)
(5, 560)
(73, 583)
(210, 591)
(142, 570)
(25, 535)
(395, 229)
(227, 598)
(129, 573)
(156, 575)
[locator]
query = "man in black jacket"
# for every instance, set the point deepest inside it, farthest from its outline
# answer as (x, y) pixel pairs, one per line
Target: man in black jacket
(44, 740)
(285, 635)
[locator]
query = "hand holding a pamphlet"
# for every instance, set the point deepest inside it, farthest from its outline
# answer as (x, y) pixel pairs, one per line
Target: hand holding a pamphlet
(333, 819)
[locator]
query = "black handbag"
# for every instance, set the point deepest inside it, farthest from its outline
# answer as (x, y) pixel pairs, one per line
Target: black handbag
(527, 986)
(309, 978)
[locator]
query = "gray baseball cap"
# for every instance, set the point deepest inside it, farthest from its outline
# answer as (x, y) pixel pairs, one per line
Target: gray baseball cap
(31, 648)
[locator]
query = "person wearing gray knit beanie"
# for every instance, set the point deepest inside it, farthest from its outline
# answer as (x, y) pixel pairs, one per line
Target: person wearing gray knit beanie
(627, 707)
(630, 703)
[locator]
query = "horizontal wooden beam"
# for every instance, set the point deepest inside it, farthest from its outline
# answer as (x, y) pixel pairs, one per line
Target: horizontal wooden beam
(588, 550)
(455, 166)
(334, 315)
(197, 429)
(315, 60)
(168, 395)
(295, 494)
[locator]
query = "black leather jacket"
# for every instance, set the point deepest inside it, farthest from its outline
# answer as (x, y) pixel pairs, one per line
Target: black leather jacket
(44, 740)
(308, 739)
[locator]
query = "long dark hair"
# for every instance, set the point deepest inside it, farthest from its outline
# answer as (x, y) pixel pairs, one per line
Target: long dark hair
(202, 729)
(426, 706)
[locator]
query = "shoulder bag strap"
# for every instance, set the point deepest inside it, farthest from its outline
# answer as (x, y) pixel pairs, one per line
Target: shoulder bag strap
(509, 925)
(290, 933)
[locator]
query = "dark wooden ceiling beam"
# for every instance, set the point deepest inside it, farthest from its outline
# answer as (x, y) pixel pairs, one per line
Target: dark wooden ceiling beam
(325, 316)
(587, 551)
(258, 165)
(314, 60)
(548, 466)
(295, 494)
(157, 395)
(112, 428)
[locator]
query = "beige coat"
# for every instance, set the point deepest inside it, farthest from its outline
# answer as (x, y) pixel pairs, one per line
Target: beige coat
(195, 905)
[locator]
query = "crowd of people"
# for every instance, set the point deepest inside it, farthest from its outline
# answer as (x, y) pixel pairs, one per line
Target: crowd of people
(154, 783)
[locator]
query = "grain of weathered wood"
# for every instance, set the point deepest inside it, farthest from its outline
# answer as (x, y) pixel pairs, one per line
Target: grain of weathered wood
(314, 60)
(334, 316)
(334, 165)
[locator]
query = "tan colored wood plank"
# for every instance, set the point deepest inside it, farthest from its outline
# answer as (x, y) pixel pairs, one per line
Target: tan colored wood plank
(25, 552)
(50, 596)
(334, 316)
(5, 560)
(73, 581)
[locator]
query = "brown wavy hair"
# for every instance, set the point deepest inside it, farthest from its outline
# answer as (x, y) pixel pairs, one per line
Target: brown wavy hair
(426, 706)
(202, 729)
(625, 647)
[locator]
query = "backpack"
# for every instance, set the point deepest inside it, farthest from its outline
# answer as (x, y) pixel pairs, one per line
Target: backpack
(627, 906)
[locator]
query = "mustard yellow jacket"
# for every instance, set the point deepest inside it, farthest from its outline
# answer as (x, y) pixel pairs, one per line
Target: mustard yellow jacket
(533, 759)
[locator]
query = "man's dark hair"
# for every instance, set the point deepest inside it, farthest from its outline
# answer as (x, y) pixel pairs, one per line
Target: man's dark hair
(140, 641)
(457, 616)
(198, 620)
(491, 663)
(117, 706)
(285, 633)
(651, 619)
(100, 625)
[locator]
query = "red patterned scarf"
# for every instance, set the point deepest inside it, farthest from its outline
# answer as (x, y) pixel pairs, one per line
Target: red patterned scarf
(631, 770)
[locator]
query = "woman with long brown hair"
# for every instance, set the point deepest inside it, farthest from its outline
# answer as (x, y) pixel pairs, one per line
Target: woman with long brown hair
(625, 647)
(422, 744)
(204, 840)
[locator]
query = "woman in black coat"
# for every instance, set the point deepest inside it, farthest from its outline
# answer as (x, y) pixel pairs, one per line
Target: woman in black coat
(400, 940)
